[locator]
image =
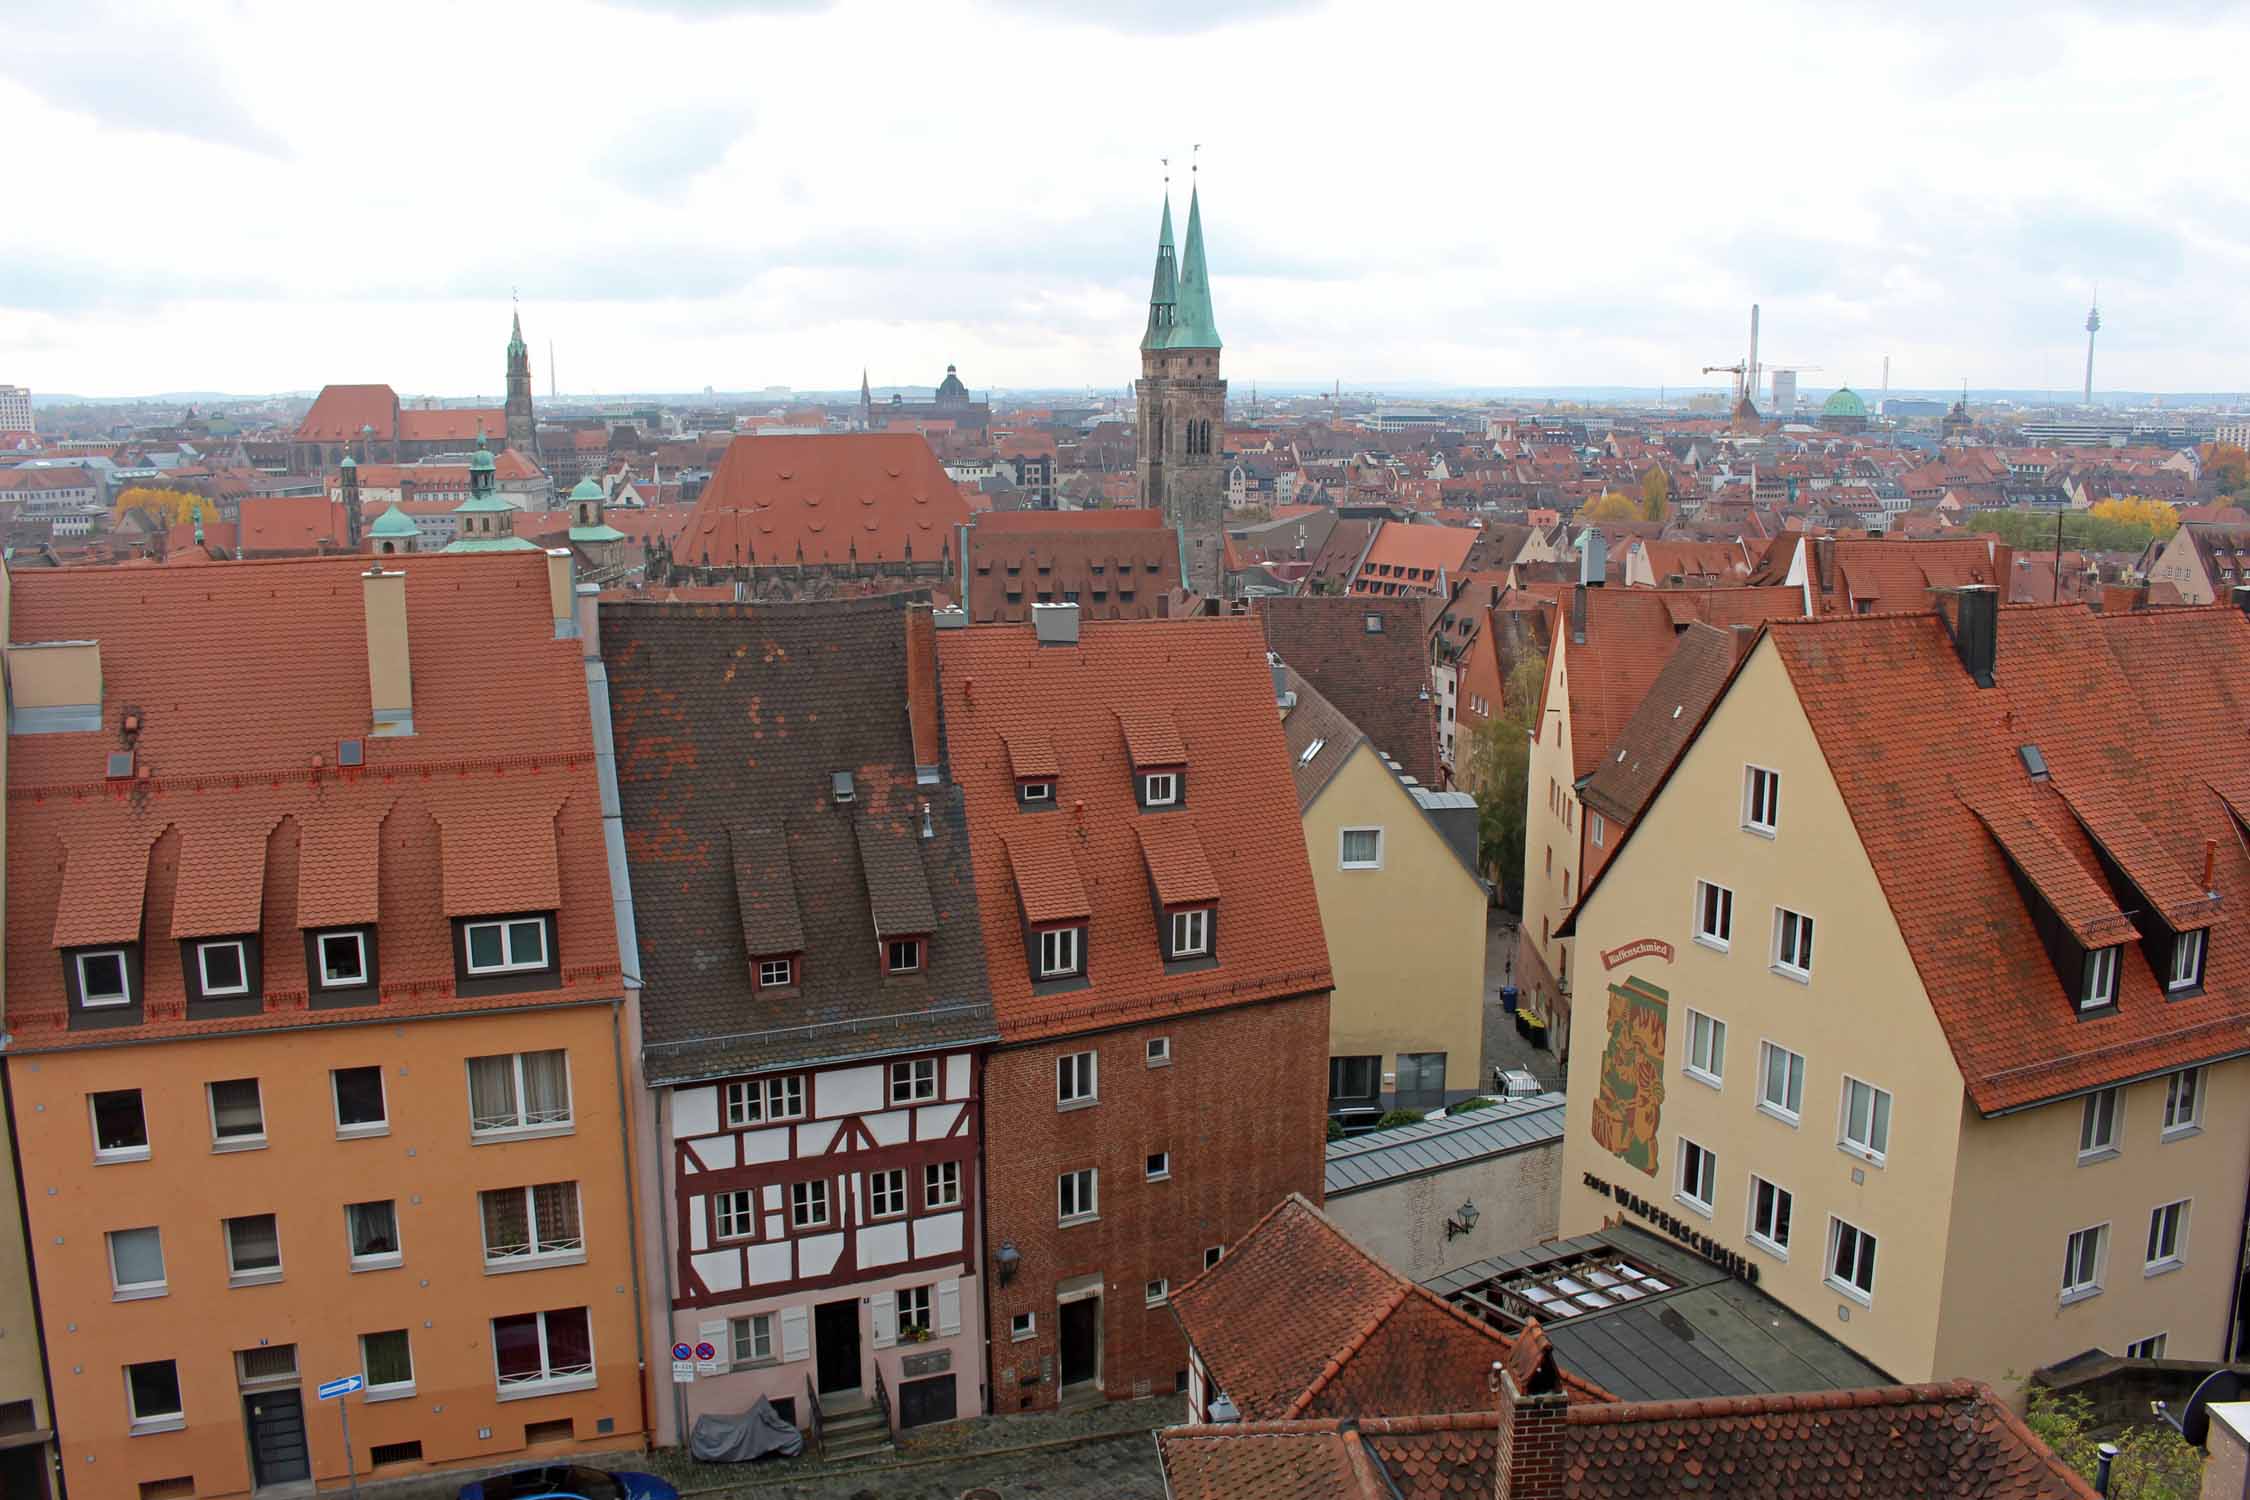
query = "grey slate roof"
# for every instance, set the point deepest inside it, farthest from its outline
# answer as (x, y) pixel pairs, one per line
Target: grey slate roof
(730, 722)
(1381, 1156)
(1710, 1335)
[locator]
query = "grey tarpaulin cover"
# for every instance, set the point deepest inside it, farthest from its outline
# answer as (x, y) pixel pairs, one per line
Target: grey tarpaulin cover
(736, 1440)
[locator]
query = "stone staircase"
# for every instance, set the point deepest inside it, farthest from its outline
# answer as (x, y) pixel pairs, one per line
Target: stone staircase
(852, 1427)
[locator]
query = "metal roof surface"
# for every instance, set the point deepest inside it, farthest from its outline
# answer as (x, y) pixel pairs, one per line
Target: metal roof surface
(1381, 1156)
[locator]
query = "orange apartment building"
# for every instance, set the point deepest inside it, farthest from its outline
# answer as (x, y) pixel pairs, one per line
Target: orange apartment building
(317, 1022)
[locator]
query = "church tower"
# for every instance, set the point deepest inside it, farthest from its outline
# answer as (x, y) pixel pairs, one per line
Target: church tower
(523, 432)
(1182, 406)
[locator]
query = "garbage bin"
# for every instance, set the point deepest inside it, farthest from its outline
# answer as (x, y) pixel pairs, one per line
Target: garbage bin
(1509, 994)
(1523, 1024)
(1536, 1032)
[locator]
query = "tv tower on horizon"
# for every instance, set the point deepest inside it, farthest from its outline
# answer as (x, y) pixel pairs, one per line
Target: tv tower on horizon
(2093, 326)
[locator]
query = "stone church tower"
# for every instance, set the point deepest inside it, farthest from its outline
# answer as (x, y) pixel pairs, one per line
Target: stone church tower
(1183, 407)
(523, 432)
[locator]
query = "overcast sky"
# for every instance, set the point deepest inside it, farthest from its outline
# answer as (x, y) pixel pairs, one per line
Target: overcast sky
(249, 196)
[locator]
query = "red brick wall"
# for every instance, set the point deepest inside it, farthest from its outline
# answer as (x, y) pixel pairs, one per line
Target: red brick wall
(1242, 1110)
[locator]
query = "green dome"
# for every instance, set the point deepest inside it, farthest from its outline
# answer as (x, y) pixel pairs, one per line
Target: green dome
(394, 522)
(586, 489)
(1844, 404)
(350, 462)
(482, 458)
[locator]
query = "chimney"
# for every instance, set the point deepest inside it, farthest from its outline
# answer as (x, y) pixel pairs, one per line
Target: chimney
(921, 692)
(1824, 562)
(1975, 620)
(1593, 560)
(390, 680)
(1533, 1415)
(1057, 624)
(2242, 597)
(562, 594)
(1578, 615)
(54, 687)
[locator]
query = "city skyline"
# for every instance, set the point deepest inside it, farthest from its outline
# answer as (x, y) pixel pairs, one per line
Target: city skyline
(712, 220)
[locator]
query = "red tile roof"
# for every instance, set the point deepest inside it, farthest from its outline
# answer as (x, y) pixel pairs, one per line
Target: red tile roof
(1048, 888)
(243, 737)
(869, 497)
(1414, 555)
(287, 525)
(339, 413)
(1379, 679)
(1177, 866)
(453, 424)
(1121, 564)
(997, 683)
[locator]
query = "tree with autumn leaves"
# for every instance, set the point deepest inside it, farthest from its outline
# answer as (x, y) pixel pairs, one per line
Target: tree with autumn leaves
(167, 505)
(1610, 506)
(2137, 510)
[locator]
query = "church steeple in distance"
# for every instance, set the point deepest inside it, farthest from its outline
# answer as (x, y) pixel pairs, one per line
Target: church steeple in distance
(1164, 288)
(523, 429)
(1181, 405)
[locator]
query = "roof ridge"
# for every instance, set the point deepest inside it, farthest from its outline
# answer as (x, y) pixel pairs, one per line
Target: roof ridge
(1351, 1346)
(1765, 1403)
(1261, 1221)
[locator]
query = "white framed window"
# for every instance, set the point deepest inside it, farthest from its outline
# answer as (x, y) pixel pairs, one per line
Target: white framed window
(2187, 960)
(1851, 1261)
(1077, 1078)
(751, 1338)
(1037, 791)
(1596, 827)
(1781, 1082)
(1077, 1195)
(1059, 949)
(2097, 1126)
(1707, 1048)
(808, 1203)
(371, 1234)
(2084, 1256)
(238, 1114)
(223, 968)
(519, 1091)
(903, 955)
(2167, 1237)
(1761, 799)
(757, 1101)
(1160, 789)
(532, 1225)
(120, 1125)
(1714, 915)
(1191, 934)
(1792, 942)
(1022, 1326)
(152, 1396)
(1159, 1051)
(1157, 1292)
(913, 1308)
(1361, 849)
(136, 1264)
(386, 1362)
(1699, 1176)
(1212, 1255)
(361, 1109)
(1158, 1167)
(1771, 1206)
(1866, 1128)
(914, 1081)
(2183, 1102)
(2151, 1347)
(104, 979)
(941, 1184)
(776, 973)
(510, 947)
(886, 1193)
(543, 1351)
(2098, 980)
(734, 1214)
(253, 1250)
(343, 959)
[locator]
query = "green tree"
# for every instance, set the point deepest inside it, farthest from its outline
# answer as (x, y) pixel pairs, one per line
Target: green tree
(2153, 1462)
(2034, 531)
(1656, 494)
(1500, 770)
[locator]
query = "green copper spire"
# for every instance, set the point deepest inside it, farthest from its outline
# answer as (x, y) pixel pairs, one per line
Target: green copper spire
(1194, 327)
(1164, 290)
(515, 338)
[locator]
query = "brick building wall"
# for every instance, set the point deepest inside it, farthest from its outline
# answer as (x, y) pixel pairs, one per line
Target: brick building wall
(1241, 1111)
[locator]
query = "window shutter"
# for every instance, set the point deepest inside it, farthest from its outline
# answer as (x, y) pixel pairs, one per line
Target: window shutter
(948, 1306)
(886, 1319)
(719, 1336)
(794, 1343)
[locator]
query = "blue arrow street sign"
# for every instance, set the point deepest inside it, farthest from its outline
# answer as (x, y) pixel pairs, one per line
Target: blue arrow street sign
(344, 1386)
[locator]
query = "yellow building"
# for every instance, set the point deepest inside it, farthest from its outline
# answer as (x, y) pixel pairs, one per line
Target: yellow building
(1394, 865)
(1912, 994)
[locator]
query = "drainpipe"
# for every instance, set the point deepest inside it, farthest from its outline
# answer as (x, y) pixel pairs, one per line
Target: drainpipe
(663, 1219)
(2232, 1321)
(625, 1150)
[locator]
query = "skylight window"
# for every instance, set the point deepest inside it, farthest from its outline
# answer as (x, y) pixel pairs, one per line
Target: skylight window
(1311, 751)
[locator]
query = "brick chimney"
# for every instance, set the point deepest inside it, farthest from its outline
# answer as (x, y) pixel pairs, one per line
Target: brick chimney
(921, 691)
(1532, 1415)
(390, 680)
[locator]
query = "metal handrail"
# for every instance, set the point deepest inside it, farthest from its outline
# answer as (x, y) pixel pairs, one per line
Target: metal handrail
(883, 1401)
(812, 1404)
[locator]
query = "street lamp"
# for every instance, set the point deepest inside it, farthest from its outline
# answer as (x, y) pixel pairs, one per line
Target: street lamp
(1009, 1259)
(1464, 1219)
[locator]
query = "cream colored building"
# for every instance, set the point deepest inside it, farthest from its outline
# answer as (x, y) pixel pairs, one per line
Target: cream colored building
(1394, 867)
(1911, 1004)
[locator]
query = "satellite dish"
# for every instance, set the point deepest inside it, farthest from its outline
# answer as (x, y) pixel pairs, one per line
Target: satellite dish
(2195, 1420)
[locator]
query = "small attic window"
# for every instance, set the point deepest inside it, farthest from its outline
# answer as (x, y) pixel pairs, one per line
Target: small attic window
(351, 752)
(1311, 751)
(2034, 763)
(120, 765)
(840, 787)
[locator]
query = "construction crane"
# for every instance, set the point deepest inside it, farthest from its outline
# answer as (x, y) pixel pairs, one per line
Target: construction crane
(1734, 369)
(1744, 371)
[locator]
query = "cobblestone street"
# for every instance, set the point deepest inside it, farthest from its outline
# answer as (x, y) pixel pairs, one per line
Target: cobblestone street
(1502, 1047)
(1122, 1468)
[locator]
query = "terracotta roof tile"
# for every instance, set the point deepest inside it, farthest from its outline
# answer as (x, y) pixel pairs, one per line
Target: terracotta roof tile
(499, 851)
(832, 499)
(1378, 679)
(1031, 756)
(1152, 740)
(1176, 865)
(222, 882)
(1636, 762)
(339, 866)
(2064, 880)
(340, 411)
(898, 894)
(452, 424)
(105, 881)
(1048, 887)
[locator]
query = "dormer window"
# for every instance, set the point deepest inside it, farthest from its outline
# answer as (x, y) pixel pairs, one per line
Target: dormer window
(223, 968)
(342, 959)
(1160, 789)
(1061, 952)
(2187, 960)
(903, 956)
(1191, 934)
(104, 978)
(777, 973)
(2098, 983)
(1035, 793)
(510, 947)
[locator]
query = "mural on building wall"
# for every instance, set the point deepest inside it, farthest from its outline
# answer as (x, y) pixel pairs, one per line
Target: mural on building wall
(1630, 1105)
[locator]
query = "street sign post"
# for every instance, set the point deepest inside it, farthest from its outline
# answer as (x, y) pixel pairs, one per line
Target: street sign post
(336, 1390)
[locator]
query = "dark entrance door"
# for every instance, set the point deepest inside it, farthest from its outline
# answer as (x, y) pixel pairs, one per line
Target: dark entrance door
(836, 1345)
(277, 1437)
(1081, 1340)
(924, 1401)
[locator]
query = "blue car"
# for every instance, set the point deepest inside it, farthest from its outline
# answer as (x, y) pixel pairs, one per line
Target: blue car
(569, 1482)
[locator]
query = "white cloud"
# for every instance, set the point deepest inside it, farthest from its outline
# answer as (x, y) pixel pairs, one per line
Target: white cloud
(258, 195)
